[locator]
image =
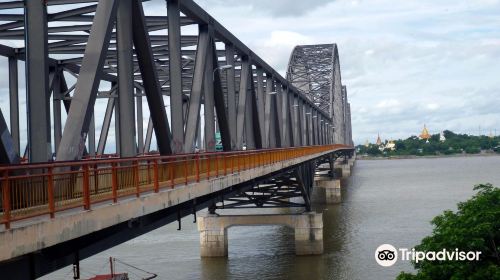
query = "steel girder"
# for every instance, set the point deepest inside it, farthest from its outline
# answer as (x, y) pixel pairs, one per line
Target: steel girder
(99, 44)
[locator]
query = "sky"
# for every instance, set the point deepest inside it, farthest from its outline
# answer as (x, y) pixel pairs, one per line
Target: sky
(405, 63)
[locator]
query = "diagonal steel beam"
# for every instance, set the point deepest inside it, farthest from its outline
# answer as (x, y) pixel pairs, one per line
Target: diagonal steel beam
(149, 75)
(77, 124)
(8, 154)
(105, 126)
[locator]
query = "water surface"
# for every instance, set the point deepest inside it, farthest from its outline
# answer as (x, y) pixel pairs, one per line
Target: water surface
(385, 201)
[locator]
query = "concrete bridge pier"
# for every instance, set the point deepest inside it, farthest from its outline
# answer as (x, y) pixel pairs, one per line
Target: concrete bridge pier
(327, 191)
(213, 231)
(343, 170)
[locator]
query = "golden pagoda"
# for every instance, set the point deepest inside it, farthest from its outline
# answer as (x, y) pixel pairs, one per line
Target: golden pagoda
(425, 134)
(379, 141)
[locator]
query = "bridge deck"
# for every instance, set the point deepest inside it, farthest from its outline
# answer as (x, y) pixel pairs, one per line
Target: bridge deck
(33, 190)
(158, 183)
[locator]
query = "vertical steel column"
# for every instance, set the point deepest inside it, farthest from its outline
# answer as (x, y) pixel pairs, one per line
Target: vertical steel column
(37, 81)
(314, 118)
(284, 115)
(256, 125)
(303, 124)
(261, 98)
(124, 42)
(14, 102)
(117, 119)
(220, 107)
(242, 98)
(279, 115)
(320, 130)
(175, 75)
(208, 88)
(56, 107)
(267, 113)
(310, 133)
(197, 86)
(231, 95)
(140, 126)
(291, 140)
(296, 122)
(250, 132)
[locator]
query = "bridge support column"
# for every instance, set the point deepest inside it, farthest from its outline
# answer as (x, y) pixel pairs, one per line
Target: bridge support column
(343, 170)
(308, 231)
(327, 191)
(346, 170)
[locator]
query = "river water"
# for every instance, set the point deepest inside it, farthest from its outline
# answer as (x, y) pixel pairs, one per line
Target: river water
(384, 201)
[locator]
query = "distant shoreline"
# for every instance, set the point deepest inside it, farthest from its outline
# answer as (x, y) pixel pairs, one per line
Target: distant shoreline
(358, 157)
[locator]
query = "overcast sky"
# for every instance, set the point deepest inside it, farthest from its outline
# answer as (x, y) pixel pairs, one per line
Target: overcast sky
(405, 63)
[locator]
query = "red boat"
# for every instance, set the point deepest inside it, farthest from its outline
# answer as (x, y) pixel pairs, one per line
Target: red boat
(112, 275)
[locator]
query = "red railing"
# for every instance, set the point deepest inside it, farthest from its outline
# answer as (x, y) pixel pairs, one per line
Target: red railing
(30, 190)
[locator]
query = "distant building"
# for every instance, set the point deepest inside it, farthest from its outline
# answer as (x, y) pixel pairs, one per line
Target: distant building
(390, 145)
(441, 136)
(367, 144)
(379, 141)
(425, 134)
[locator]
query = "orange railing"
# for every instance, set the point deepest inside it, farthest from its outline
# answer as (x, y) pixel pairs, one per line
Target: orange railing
(29, 190)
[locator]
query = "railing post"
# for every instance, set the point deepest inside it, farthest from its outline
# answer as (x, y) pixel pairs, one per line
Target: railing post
(136, 179)
(239, 165)
(225, 165)
(50, 192)
(86, 187)
(114, 182)
(232, 164)
(186, 169)
(208, 167)
(216, 166)
(171, 173)
(155, 176)
(6, 199)
(197, 168)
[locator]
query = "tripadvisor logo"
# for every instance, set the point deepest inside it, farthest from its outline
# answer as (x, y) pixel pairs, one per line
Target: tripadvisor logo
(387, 255)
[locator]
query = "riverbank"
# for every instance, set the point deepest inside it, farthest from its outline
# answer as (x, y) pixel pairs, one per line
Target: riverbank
(361, 157)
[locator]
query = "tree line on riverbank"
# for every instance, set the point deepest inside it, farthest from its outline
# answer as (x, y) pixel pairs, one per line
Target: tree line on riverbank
(452, 144)
(474, 227)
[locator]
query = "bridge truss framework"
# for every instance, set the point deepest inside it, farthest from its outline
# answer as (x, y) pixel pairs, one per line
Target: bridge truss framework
(87, 50)
(186, 68)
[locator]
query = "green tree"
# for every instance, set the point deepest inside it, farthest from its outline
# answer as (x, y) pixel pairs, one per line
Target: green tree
(474, 227)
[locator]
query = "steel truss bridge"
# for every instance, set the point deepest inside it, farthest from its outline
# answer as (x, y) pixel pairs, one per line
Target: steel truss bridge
(195, 79)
